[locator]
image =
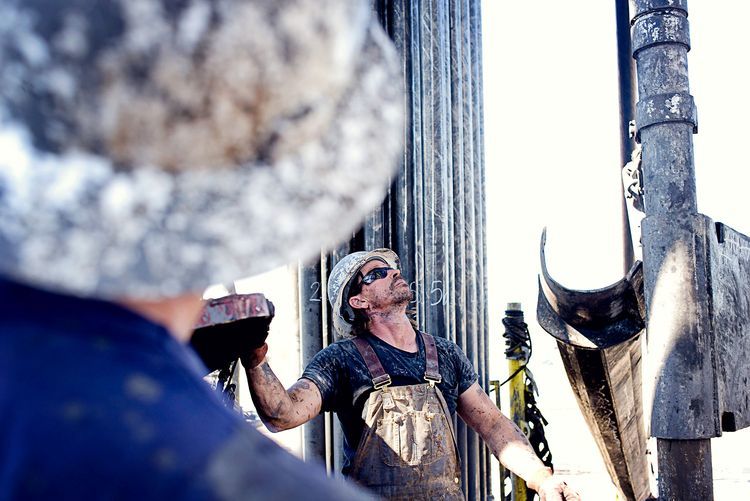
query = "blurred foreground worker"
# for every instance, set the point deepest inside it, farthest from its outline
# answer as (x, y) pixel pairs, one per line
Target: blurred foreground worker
(395, 391)
(149, 149)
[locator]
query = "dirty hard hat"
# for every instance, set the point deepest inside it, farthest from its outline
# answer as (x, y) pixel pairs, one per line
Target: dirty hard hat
(150, 148)
(340, 281)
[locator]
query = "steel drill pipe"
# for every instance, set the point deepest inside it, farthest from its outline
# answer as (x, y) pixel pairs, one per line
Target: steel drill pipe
(675, 272)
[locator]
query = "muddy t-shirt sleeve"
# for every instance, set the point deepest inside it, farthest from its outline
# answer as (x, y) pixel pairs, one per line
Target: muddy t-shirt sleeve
(325, 370)
(466, 375)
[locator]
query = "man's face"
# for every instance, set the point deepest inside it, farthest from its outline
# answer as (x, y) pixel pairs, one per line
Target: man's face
(391, 289)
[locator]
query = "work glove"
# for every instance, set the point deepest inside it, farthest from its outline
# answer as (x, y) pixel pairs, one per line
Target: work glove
(252, 332)
(220, 345)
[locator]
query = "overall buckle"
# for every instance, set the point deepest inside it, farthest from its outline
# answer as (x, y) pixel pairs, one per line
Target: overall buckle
(381, 382)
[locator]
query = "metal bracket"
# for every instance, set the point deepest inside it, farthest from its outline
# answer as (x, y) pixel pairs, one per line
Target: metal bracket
(661, 25)
(711, 342)
(381, 382)
(591, 319)
(655, 5)
(632, 179)
(729, 255)
(665, 108)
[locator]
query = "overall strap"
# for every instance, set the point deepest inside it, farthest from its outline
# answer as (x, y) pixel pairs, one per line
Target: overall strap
(432, 367)
(380, 379)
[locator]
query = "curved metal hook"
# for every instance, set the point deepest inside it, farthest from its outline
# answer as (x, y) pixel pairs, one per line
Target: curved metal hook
(593, 319)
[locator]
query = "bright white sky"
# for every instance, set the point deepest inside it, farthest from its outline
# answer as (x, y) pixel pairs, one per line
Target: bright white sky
(552, 137)
(552, 159)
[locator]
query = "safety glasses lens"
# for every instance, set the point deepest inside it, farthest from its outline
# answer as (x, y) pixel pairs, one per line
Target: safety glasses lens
(375, 274)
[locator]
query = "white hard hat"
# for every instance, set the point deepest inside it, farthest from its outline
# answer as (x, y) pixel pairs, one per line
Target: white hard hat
(150, 149)
(340, 280)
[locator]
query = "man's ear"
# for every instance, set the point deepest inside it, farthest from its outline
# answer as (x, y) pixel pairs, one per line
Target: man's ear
(357, 302)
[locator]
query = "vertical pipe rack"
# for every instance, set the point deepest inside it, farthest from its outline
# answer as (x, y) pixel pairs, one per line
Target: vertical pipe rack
(434, 213)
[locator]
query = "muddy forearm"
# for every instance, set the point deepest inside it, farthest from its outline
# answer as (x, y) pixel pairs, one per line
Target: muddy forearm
(272, 402)
(504, 438)
(514, 451)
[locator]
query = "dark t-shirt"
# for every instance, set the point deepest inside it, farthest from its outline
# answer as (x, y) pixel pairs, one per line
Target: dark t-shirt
(97, 402)
(345, 383)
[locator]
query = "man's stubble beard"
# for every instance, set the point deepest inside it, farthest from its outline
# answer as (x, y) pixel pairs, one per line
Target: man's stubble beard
(402, 294)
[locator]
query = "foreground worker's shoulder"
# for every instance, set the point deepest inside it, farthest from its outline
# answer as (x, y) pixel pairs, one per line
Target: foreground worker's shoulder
(251, 466)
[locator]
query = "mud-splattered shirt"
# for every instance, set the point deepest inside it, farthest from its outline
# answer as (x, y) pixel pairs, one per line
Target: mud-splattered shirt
(345, 383)
(97, 402)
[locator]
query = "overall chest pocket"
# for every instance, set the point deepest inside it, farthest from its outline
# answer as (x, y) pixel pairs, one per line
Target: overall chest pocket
(413, 428)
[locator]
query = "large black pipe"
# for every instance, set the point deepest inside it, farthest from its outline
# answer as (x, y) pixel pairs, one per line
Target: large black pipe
(312, 298)
(626, 86)
(481, 280)
(683, 417)
(461, 316)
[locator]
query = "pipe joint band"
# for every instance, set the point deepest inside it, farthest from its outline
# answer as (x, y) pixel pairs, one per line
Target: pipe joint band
(643, 7)
(661, 27)
(665, 108)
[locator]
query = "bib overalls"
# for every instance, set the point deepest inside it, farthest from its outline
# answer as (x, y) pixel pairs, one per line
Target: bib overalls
(408, 448)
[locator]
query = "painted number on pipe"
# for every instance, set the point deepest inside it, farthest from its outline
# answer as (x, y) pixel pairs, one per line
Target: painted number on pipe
(315, 296)
(436, 294)
(413, 289)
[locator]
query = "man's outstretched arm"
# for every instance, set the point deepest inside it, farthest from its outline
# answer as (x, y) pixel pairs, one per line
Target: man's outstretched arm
(510, 445)
(279, 409)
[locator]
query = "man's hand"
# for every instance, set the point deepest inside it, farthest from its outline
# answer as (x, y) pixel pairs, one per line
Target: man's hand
(553, 488)
(255, 357)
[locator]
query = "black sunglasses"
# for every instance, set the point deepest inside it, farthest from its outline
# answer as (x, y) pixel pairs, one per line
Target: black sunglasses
(374, 274)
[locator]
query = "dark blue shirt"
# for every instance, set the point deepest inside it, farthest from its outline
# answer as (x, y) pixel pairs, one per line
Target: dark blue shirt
(97, 402)
(345, 383)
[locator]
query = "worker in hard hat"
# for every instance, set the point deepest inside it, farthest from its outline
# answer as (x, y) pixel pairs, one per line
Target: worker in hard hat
(395, 390)
(150, 149)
